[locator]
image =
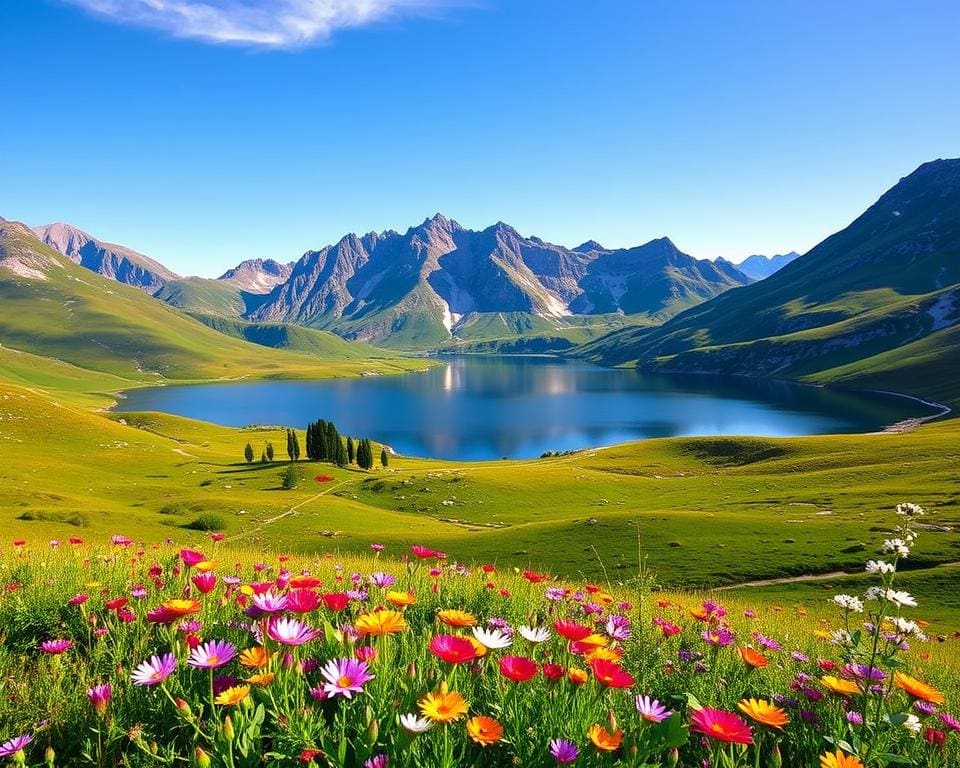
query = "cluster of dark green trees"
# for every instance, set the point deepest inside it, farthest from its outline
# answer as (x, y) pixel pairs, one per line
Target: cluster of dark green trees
(324, 443)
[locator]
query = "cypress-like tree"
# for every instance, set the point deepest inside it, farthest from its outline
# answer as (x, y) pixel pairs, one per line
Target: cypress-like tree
(248, 453)
(296, 445)
(269, 451)
(351, 453)
(384, 459)
(290, 444)
(309, 443)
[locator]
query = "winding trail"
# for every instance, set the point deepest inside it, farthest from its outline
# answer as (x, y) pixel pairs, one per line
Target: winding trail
(817, 577)
(291, 511)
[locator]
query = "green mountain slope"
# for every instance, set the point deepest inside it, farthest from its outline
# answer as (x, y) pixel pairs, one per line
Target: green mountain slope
(56, 309)
(870, 292)
(211, 297)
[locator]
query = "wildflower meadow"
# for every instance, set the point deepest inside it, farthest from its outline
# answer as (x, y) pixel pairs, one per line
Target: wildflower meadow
(211, 655)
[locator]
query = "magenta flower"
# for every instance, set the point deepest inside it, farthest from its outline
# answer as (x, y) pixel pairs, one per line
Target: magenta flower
(618, 627)
(212, 655)
(563, 751)
(382, 580)
(651, 710)
(55, 647)
(380, 761)
(154, 671)
(78, 599)
(291, 632)
(14, 745)
(270, 602)
(345, 677)
(204, 582)
(99, 697)
(950, 721)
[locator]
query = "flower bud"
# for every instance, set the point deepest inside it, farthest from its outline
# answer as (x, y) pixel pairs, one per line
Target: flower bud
(673, 757)
(184, 709)
(49, 756)
(612, 721)
(200, 758)
(227, 729)
(776, 760)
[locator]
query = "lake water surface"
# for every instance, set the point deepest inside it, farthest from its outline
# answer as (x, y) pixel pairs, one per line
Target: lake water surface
(474, 408)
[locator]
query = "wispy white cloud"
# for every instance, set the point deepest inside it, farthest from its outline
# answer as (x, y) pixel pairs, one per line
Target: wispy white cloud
(261, 23)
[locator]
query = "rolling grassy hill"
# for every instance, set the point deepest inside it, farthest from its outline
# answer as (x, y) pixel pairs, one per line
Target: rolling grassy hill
(872, 305)
(55, 309)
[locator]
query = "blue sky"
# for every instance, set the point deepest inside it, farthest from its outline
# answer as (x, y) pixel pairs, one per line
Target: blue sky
(205, 137)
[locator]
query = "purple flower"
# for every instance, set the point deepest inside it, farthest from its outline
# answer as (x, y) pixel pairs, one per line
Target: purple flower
(950, 721)
(99, 697)
(555, 593)
(651, 710)
(379, 761)
(925, 708)
(212, 655)
(55, 647)
(865, 672)
(766, 642)
(154, 671)
(222, 682)
(382, 580)
(800, 658)
(722, 636)
(618, 627)
(14, 745)
(139, 592)
(854, 718)
(270, 602)
(345, 677)
(563, 751)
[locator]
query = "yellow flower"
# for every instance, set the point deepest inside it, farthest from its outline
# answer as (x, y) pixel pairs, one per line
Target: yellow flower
(454, 618)
(839, 686)
(839, 760)
(484, 730)
(381, 623)
(181, 607)
(577, 676)
(822, 634)
(255, 658)
(606, 654)
(233, 695)
(764, 712)
(401, 599)
(443, 706)
(478, 647)
(206, 565)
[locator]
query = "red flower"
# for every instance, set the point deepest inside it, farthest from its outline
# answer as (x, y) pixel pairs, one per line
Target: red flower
(487, 568)
(570, 630)
(75, 540)
(424, 553)
(336, 601)
(553, 671)
(116, 604)
(520, 669)
(826, 665)
(302, 601)
(611, 674)
(307, 582)
(453, 649)
(535, 578)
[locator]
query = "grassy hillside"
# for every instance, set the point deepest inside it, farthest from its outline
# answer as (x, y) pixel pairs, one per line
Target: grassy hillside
(857, 302)
(58, 310)
(207, 297)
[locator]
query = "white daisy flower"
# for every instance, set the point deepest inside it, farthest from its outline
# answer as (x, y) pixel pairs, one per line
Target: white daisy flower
(909, 510)
(415, 724)
(535, 634)
(493, 638)
(849, 603)
(903, 599)
(879, 566)
(912, 724)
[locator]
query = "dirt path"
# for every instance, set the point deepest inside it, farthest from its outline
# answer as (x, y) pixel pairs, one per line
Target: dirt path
(816, 577)
(291, 511)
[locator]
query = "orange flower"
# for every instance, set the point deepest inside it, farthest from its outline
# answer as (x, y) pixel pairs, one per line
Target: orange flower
(603, 740)
(840, 686)
(764, 712)
(255, 658)
(401, 599)
(577, 676)
(753, 658)
(180, 607)
(263, 679)
(606, 654)
(839, 760)
(917, 688)
(380, 623)
(454, 618)
(484, 730)
(204, 566)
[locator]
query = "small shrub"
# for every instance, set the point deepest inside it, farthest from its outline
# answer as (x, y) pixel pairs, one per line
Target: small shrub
(208, 521)
(291, 477)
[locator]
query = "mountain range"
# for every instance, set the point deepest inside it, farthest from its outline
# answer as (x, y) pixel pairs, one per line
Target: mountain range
(876, 304)
(436, 284)
(758, 267)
